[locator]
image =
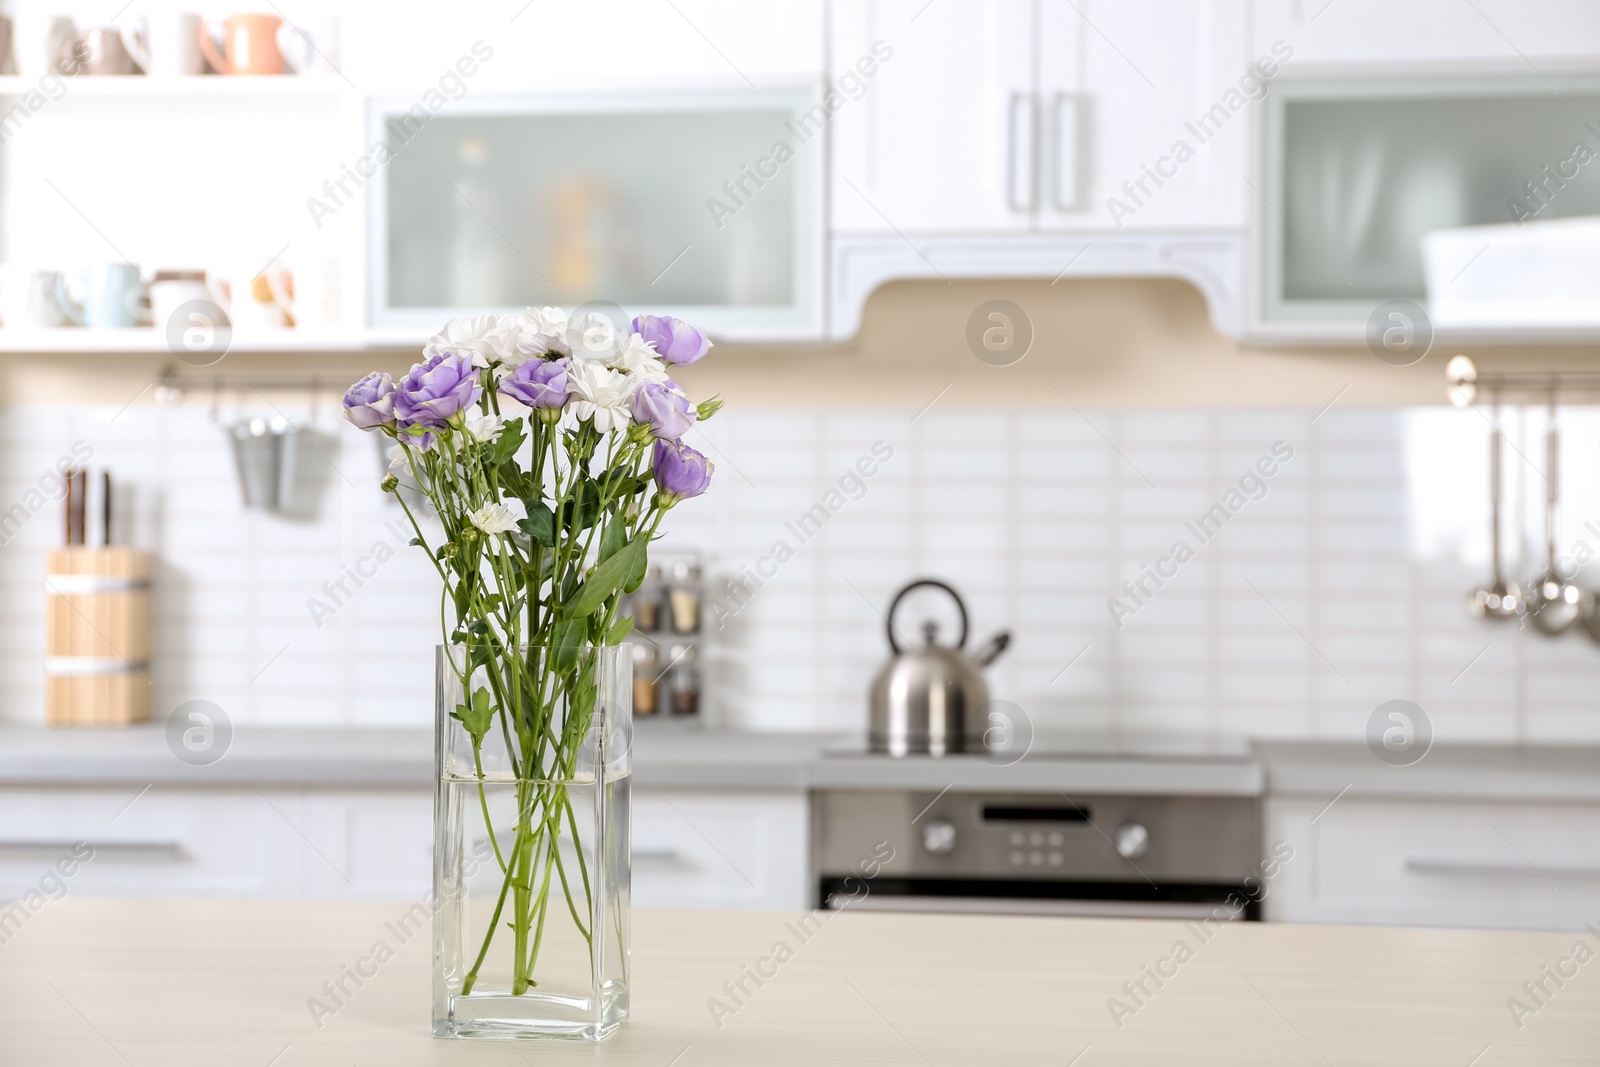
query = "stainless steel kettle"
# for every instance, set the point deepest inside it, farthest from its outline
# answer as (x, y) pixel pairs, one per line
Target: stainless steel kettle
(926, 700)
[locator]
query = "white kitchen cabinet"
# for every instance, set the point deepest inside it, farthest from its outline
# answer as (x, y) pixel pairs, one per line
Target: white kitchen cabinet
(209, 843)
(1431, 862)
(939, 136)
(277, 842)
(1381, 31)
(1121, 85)
(719, 849)
(723, 228)
(1009, 116)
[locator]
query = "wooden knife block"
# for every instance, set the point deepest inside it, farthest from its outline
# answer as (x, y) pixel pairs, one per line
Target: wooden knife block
(97, 636)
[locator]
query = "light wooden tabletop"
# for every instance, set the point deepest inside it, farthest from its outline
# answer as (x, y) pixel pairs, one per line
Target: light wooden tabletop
(98, 983)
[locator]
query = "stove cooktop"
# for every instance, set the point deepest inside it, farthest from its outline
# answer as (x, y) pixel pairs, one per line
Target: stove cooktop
(1072, 745)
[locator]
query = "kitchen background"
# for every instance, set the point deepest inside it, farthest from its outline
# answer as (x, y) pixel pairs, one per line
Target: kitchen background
(1344, 586)
(1167, 336)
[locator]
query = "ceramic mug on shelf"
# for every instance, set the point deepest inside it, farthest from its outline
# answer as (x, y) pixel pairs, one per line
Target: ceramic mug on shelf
(258, 300)
(249, 45)
(175, 294)
(108, 50)
(115, 297)
(169, 45)
(8, 40)
(33, 298)
(41, 43)
(316, 285)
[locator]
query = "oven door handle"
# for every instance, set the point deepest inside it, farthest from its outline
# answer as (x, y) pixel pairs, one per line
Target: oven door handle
(1097, 909)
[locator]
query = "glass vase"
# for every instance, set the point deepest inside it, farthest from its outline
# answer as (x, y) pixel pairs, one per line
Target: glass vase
(531, 843)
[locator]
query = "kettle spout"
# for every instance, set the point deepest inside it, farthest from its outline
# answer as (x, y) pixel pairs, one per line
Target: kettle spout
(991, 649)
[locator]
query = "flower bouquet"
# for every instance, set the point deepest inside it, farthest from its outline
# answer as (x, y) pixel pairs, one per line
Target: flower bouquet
(550, 451)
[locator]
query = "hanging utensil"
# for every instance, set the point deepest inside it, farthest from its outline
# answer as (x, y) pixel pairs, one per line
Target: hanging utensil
(1556, 602)
(264, 455)
(1501, 599)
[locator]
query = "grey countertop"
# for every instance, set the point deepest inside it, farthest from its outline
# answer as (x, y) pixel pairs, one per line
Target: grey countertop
(669, 755)
(1509, 772)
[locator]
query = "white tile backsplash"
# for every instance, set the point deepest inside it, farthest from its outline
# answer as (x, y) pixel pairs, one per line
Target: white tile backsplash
(1341, 588)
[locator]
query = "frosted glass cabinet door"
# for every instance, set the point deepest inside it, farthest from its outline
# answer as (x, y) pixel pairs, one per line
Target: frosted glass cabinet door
(1359, 170)
(701, 206)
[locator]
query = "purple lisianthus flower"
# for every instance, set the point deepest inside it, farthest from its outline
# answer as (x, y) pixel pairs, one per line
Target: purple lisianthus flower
(680, 471)
(662, 407)
(674, 340)
(538, 383)
(370, 402)
(434, 391)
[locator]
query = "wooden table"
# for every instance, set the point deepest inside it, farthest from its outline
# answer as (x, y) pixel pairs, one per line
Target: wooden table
(101, 983)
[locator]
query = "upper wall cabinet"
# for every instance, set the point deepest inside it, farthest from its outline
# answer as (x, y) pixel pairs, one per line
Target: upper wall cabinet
(1142, 113)
(1383, 31)
(703, 205)
(936, 128)
(1028, 138)
(1024, 115)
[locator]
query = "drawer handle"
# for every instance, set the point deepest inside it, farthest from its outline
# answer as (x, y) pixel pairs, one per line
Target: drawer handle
(656, 855)
(1463, 869)
(15, 844)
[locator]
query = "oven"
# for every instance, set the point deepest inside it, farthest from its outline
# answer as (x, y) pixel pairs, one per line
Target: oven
(1131, 856)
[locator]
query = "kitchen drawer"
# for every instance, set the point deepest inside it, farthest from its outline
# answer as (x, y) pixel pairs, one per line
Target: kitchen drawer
(715, 849)
(167, 843)
(365, 844)
(221, 842)
(1437, 863)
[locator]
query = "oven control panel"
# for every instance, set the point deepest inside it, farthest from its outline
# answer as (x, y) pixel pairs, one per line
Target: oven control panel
(1110, 838)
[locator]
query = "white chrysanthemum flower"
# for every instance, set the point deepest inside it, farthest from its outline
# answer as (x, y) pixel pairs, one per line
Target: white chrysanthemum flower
(594, 337)
(639, 359)
(397, 458)
(600, 394)
(493, 519)
(487, 339)
(484, 428)
(540, 330)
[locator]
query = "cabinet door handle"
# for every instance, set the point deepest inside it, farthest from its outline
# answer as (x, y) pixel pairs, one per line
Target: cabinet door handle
(1066, 135)
(1022, 152)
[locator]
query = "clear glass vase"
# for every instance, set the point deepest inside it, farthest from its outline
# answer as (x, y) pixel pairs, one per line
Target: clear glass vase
(531, 844)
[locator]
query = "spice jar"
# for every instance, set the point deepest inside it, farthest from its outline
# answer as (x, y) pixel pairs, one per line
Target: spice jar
(683, 594)
(645, 602)
(646, 668)
(683, 681)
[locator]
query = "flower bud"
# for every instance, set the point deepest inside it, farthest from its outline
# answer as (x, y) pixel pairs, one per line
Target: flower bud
(389, 483)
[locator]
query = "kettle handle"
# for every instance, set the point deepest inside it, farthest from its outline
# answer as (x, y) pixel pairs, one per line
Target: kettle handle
(918, 584)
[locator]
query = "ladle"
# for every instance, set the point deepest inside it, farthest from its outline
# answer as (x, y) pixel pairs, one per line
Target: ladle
(1557, 602)
(1502, 599)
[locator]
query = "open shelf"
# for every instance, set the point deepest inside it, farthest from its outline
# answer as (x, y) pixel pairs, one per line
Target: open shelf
(146, 340)
(122, 86)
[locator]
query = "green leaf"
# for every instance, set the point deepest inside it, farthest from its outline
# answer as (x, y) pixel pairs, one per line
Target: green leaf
(581, 511)
(476, 716)
(619, 630)
(568, 636)
(636, 575)
(540, 525)
(514, 481)
(605, 580)
(613, 538)
(505, 446)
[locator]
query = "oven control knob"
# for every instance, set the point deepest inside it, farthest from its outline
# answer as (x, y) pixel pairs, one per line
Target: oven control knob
(1132, 840)
(939, 836)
